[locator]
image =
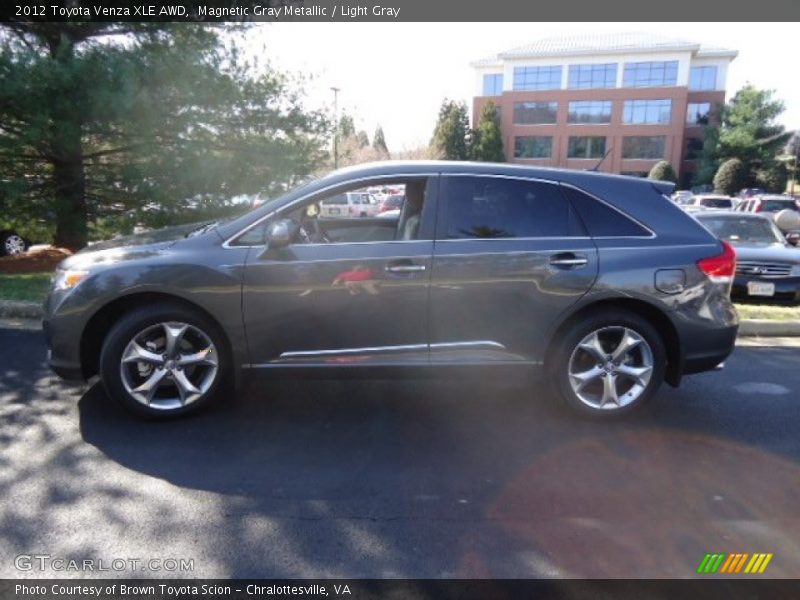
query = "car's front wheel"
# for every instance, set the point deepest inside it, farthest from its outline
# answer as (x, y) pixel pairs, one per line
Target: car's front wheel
(608, 363)
(164, 360)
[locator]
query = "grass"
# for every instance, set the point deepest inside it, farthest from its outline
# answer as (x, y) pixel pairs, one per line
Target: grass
(768, 312)
(29, 287)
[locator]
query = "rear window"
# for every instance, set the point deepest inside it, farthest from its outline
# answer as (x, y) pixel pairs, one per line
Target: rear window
(774, 205)
(600, 219)
(494, 207)
(716, 202)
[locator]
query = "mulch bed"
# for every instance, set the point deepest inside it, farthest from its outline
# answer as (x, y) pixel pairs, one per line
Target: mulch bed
(33, 262)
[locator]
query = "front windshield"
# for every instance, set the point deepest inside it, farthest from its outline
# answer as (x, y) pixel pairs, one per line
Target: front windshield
(731, 229)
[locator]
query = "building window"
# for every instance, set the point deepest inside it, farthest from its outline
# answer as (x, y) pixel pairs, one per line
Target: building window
(589, 111)
(703, 78)
(537, 78)
(694, 146)
(586, 147)
(697, 113)
(533, 147)
(535, 113)
(650, 74)
(644, 146)
(493, 84)
(635, 112)
(593, 76)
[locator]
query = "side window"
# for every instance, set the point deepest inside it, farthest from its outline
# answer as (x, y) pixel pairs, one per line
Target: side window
(495, 207)
(602, 220)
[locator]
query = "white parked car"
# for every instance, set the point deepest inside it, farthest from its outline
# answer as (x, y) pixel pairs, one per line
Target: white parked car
(711, 202)
(350, 204)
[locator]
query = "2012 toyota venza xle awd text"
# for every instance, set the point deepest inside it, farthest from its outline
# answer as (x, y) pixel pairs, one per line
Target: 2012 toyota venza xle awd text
(598, 281)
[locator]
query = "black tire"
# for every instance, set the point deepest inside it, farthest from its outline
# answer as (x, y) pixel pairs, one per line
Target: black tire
(557, 364)
(137, 320)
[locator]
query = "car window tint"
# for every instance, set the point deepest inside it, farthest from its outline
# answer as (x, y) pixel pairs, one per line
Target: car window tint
(493, 207)
(600, 219)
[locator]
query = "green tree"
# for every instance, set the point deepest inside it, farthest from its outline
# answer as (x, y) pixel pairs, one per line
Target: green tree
(137, 122)
(363, 139)
(451, 136)
(347, 127)
(747, 130)
(663, 171)
(731, 177)
(487, 142)
(773, 179)
(379, 141)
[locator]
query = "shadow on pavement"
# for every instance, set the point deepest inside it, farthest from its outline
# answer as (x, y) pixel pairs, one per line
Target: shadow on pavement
(488, 470)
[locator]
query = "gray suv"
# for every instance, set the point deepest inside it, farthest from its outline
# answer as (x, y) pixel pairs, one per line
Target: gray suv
(597, 281)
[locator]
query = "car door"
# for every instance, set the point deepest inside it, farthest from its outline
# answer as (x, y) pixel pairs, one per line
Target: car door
(510, 256)
(341, 303)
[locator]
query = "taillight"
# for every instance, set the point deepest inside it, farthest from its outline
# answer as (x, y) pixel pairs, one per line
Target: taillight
(720, 268)
(758, 206)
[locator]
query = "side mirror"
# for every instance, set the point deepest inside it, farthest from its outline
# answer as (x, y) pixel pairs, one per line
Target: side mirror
(281, 233)
(793, 238)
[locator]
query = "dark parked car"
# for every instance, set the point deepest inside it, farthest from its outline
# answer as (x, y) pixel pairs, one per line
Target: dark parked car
(598, 281)
(767, 266)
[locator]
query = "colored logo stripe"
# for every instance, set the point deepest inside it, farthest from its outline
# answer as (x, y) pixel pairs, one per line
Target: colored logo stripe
(738, 562)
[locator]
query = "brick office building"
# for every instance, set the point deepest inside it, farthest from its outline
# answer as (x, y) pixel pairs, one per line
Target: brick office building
(640, 98)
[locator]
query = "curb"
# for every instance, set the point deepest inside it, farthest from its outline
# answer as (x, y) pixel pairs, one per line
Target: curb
(765, 328)
(10, 309)
(747, 327)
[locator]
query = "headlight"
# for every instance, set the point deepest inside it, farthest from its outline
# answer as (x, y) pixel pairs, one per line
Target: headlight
(66, 279)
(795, 272)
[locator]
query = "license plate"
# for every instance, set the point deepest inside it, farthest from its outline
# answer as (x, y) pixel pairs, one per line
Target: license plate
(333, 211)
(760, 288)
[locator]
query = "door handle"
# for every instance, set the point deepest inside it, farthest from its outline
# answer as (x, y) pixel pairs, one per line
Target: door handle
(404, 267)
(569, 260)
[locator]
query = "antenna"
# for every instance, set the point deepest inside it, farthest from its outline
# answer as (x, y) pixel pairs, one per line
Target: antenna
(597, 166)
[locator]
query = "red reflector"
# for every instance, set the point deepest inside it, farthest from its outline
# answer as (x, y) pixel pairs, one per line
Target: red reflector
(722, 266)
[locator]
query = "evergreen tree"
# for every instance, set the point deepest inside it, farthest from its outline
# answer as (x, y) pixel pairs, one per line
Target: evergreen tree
(488, 138)
(747, 130)
(731, 177)
(451, 138)
(103, 121)
(379, 141)
(663, 171)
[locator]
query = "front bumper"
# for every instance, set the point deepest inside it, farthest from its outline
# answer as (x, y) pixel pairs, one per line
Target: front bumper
(63, 350)
(787, 289)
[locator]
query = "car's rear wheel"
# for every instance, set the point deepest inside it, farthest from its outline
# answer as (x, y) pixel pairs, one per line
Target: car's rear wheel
(608, 363)
(11, 243)
(163, 361)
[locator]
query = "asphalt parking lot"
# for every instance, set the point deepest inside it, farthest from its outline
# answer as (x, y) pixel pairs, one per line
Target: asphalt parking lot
(418, 478)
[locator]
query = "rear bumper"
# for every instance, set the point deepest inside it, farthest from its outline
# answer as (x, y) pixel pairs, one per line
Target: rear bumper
(708, 350)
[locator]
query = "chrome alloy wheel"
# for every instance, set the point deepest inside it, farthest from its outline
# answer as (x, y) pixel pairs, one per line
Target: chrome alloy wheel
(610, 368)
(14, 244)
(169, 365)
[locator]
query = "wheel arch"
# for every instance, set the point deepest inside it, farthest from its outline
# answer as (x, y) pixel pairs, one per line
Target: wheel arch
(98, 326)
(652, 314)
